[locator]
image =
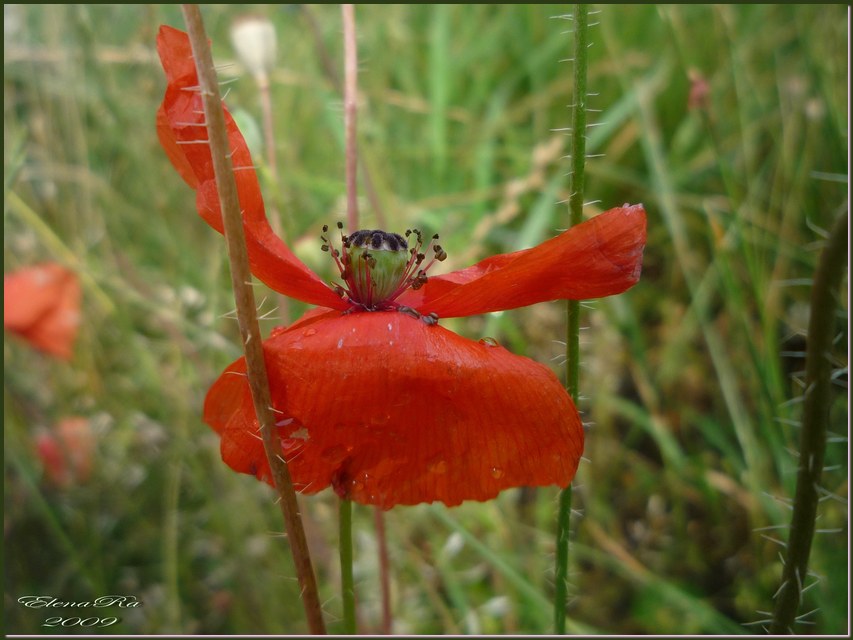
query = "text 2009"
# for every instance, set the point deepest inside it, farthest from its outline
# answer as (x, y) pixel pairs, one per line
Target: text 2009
(59, 621)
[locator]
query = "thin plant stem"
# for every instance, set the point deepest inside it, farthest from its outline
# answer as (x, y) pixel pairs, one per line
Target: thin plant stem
(351, 156)
(347, 588)
(269, 143)
(816, 404)
(334, 78)
(350, 109)
(247, 318)
(384, 575)
(580, 20)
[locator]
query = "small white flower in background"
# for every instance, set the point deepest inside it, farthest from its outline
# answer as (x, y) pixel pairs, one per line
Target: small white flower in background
(254, 41)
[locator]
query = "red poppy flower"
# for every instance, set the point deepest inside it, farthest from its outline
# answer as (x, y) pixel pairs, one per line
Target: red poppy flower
(66, 451)
(374, 397)
(41, 304)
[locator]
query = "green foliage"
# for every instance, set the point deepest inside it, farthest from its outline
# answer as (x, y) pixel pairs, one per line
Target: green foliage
(691, 379)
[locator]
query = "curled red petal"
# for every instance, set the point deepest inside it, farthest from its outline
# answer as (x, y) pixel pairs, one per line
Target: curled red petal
(390, 411)
(173, 150)
(600, 257)
(183, 135)
(41, 304)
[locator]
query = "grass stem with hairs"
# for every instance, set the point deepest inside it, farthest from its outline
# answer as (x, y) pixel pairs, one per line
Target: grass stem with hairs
(580, 20)
(247, 318)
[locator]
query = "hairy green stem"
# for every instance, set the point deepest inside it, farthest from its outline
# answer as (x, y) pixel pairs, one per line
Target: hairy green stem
(580, 18)
(347, 588)
(351, 157)
(247, 318)
(821, 331)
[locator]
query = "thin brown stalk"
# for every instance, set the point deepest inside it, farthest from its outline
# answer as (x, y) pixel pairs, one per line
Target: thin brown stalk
(334, 79)
(350, 108)
(384, 573)
(269, 144)
(241, 279)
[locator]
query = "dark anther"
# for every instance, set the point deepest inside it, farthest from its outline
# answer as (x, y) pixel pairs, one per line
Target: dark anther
(435, 236)
(419, 280)
(340, 225)
(409, 311)
(325, 228)
(325, 247)
(431, 318)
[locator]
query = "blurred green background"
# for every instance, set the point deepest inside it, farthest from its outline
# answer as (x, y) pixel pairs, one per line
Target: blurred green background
(691, 380)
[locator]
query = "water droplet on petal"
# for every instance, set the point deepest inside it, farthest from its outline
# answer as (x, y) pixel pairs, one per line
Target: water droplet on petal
(309, 332)
(489, 342)
(497, 474)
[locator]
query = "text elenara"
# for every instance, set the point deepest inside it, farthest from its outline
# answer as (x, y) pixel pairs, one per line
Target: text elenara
(38, 602)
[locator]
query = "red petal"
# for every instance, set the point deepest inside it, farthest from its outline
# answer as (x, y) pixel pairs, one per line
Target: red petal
(42, 305)
(180, 127)
(600, 257)
(389, 411)
(173, 149)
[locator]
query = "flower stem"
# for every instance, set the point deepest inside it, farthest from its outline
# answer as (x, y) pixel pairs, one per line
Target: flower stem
(247, 318)
(332, 75)
(347, 589)
(816, 404)
(578, 154)
(351, 156)
(384, 577)
(350, 108)
(269, 145)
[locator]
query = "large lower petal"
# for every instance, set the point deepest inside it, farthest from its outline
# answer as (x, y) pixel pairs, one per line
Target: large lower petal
(600, 257)
(389, 410)
(183, 135)
(41, 304)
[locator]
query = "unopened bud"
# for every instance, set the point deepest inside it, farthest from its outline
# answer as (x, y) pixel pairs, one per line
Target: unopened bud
(254, 41)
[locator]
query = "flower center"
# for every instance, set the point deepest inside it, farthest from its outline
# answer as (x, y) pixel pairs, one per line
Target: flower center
(377, 266)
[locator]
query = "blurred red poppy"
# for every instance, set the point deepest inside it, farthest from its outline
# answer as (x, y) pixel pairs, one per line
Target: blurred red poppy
(41, 304)
(374, 397)
(66, 451)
